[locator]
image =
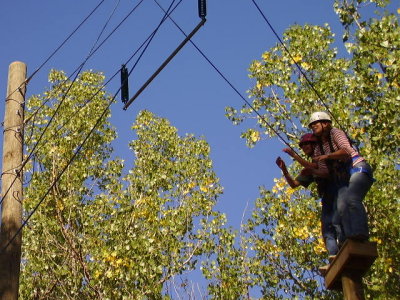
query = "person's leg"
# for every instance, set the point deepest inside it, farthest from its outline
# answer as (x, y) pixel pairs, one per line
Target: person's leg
(328, 229)
(350, 207)
(337, 225)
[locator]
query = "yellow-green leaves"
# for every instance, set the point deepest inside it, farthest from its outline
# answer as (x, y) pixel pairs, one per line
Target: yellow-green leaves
(100, 234)
(361, 89)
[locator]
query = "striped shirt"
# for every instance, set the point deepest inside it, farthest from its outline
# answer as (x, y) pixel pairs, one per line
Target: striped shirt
(339, 141)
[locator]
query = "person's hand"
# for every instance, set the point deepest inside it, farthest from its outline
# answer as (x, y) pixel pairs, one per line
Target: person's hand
(321, 157)
(280, 163)
(289, 151)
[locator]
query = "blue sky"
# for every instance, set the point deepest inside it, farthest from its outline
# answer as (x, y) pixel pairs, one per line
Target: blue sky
(188, 91)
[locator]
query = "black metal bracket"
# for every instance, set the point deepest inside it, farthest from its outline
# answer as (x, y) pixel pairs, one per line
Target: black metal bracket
(202, 15)
(124, 84)
(202, 8)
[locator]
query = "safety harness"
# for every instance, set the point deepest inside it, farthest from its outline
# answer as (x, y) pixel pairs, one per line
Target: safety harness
(339, 170)
(342, 171)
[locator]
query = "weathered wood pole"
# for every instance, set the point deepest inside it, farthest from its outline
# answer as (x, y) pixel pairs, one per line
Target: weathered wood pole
(11, 182)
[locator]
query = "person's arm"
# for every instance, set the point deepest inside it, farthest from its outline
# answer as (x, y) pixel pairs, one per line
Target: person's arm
(300, 160)
(320, 172)
(292, 182)
(345, 150)
(340, 154)
(322, 169)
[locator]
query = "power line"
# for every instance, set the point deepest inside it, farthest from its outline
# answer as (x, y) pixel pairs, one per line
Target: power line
(77, 70)
(91, 52)
(60, 46)
(230, 84)
(101, 44)
(147, 42)
(297, 65)
(166, 13)
(104, 27)
(105, 84)
(58, 177)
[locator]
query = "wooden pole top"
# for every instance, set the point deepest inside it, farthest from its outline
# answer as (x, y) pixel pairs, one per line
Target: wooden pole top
(353, 258)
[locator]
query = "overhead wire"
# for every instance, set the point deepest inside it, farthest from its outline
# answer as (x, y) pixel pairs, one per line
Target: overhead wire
(43, 64)
(89, 54)
(68, 119)
(70, 161)
(84, 62)
(105, 26)
(102, 43)
(147, 42)
(166, 14)
(58, 177)
(202, 14)
(76, 72)
(59, 47)
(311, 85)
(230, 84)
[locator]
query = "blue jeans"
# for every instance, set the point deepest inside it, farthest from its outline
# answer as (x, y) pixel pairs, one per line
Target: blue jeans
(328, 216)
(353, 217)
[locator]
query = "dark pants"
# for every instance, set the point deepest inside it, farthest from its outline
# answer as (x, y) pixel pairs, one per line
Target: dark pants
(351, 210)
(329, 218)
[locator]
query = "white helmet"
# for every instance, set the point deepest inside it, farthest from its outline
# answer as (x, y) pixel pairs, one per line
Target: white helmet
(319, 116)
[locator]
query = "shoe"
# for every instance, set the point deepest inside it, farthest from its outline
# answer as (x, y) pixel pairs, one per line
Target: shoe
(323, 269)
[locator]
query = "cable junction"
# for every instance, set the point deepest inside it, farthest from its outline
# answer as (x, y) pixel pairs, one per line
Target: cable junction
(202, 15)
(229, 83)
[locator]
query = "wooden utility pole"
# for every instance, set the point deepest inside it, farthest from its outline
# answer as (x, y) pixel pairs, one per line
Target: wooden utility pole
(11, 183)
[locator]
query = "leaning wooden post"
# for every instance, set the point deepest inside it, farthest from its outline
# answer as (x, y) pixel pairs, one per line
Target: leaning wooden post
(11, 183)
(345, 272)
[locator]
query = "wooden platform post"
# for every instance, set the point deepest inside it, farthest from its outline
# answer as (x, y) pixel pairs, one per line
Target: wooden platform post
(349, 266)
(352, 286)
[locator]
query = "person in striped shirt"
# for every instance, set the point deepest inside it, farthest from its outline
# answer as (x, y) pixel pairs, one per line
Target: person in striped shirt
(352, 174)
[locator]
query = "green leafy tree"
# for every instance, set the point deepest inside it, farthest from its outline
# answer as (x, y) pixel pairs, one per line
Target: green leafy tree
(56, 248)
(100, 234)
(361, 89)
(284, 233)
(227, 266)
